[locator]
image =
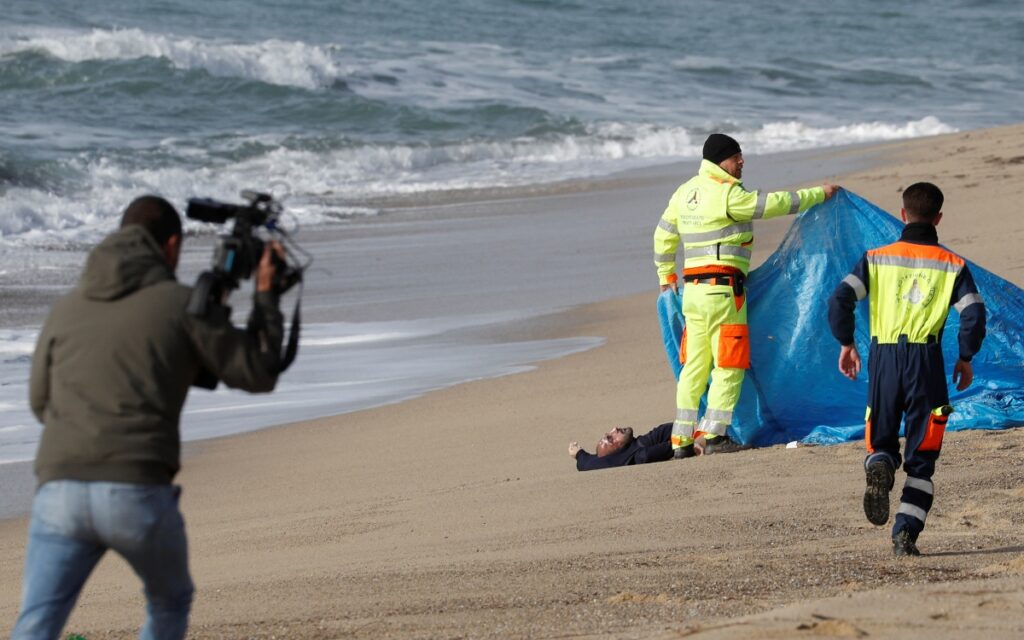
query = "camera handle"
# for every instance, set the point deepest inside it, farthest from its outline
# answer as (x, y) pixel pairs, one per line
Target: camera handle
(208, 287)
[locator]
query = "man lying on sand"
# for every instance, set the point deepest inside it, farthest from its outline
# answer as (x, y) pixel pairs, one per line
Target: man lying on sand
(619, 448)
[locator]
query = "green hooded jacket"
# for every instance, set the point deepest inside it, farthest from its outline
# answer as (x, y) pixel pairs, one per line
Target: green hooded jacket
(117, 355)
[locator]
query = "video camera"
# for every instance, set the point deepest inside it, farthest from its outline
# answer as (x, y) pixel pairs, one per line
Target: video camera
(237, 254)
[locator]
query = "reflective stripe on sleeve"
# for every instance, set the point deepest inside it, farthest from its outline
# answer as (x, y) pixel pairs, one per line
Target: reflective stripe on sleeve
(857, 285)
(914, 263)
(968, 300)
(718, 234)
(794, 207)
(921, 485)
(762, 200)
(912, 511)
(668, 226)
(664, 257)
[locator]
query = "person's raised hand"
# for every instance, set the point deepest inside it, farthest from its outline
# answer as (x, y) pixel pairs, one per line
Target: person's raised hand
(574, 448)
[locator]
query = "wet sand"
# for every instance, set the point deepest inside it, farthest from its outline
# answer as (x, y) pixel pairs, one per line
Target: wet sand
(459, 514)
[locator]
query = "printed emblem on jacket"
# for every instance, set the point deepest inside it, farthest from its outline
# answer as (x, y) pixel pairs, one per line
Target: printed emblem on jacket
(916, 288)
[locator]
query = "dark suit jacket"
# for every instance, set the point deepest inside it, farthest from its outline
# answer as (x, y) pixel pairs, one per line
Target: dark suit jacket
(653, 446)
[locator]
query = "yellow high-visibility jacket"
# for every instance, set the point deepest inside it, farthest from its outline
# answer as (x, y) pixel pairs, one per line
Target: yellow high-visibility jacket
(713, 215)
(920, 280)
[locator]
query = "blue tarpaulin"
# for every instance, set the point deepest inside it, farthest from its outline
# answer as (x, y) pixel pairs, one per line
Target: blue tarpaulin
(794, 390)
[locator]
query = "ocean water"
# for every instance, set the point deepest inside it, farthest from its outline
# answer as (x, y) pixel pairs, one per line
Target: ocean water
(340, 106)
(382, 363)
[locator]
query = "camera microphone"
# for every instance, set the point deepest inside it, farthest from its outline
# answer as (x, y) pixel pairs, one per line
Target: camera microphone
(210, 210)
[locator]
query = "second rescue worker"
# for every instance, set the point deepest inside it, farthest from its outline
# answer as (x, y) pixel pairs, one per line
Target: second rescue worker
(709, 222)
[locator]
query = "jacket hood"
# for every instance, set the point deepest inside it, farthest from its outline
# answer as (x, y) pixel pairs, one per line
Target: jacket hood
(126, 261)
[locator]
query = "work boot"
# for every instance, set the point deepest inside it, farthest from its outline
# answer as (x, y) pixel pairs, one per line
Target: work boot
(723, 444)
(903, 544)
(683, 453)
(880, 478)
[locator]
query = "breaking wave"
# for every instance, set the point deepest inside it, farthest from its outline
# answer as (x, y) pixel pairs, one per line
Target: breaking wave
(327, 186)
(272, 61)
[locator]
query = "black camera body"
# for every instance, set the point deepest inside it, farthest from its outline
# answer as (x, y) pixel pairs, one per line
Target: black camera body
(237, 254)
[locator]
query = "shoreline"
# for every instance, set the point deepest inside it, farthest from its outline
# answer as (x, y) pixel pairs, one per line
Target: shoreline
(459, 513)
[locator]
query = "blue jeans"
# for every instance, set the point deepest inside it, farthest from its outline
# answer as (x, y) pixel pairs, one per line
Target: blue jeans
(73, 525)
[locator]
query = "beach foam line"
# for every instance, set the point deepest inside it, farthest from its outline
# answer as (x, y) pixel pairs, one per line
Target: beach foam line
(272, 61)
(325, 187)
(341, 367)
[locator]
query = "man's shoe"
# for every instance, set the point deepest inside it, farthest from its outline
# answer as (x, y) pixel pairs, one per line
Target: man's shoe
(683, 453)
(723, 444)
(904, 545)
(880, 478)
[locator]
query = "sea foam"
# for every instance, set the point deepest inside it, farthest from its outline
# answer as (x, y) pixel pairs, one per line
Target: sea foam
(588, 127)
(385, 362)
(273, 61)
(327, 186)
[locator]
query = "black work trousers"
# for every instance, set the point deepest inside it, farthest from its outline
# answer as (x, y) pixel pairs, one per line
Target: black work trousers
(907, 382)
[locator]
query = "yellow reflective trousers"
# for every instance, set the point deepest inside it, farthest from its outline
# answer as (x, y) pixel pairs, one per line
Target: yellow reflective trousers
(716, 339)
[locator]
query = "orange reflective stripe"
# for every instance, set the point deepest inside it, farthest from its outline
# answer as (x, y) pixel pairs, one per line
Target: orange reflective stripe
(910, 250)
(682, 348)
(670, 278)
(867, 436)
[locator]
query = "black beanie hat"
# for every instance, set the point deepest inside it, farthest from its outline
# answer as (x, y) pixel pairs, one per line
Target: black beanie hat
(719, 147)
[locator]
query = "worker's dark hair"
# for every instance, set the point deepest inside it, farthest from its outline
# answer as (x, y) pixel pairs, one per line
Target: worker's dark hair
(155, 215)
(922, 201)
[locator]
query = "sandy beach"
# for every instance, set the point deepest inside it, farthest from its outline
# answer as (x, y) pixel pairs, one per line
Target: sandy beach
(459, 514)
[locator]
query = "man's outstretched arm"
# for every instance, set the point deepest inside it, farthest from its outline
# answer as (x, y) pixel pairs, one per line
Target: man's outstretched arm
(746, 205)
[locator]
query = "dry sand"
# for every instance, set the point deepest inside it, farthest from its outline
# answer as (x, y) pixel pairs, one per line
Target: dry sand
(459, 514)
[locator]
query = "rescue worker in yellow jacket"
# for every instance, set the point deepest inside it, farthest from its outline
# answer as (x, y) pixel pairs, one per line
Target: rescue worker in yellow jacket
(708, 228)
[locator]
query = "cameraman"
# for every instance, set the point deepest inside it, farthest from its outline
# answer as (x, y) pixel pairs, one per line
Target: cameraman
(111, 370)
